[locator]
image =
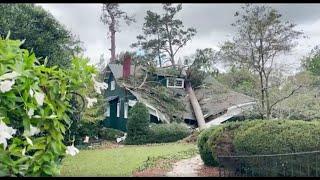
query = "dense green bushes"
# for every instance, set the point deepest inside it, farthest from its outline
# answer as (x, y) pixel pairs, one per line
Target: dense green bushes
(141, 132)
(259, 137)
(138, 124)
(204, 149)
(110, 134)
(162, 133)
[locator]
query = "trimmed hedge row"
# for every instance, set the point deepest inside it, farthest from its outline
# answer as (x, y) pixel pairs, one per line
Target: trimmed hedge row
(140, 131)
(110, 134)
(162, 133)
(258, 137)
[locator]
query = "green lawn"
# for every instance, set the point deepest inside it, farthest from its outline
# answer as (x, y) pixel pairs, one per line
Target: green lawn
(120, 161)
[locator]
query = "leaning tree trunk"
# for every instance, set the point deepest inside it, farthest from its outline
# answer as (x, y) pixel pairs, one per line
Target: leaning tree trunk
(196, 106)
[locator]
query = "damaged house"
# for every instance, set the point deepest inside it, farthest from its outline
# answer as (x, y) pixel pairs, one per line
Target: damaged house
(162, 90)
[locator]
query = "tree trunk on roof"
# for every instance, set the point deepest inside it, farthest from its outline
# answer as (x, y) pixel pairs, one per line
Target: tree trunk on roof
(195, 106)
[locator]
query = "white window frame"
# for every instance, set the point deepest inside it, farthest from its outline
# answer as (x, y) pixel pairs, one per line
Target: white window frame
(112, 85)
(175, 83)
(118, 109)
(126, 106)
(108, 110)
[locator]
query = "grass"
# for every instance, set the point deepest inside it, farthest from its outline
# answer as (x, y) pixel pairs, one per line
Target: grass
(120, 161)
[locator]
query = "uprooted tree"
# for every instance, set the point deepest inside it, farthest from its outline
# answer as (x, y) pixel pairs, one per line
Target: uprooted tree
(200, 64)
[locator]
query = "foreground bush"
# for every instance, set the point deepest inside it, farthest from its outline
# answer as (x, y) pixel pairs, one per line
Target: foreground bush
(204, 149)
(261, 137)
(35, 110)
(110, 134)
(162, 133)
(138, 124)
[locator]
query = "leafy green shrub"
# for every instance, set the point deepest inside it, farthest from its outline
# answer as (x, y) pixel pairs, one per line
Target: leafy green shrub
(261, 137)
(35, 109)
(138, 124)
(110, 134)
(162, 133)
(204, 150)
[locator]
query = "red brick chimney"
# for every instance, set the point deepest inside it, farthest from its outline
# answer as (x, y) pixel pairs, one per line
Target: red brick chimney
(126, 66)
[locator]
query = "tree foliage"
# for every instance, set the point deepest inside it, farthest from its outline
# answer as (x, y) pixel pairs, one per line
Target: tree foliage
(164, 35)
(37, 104)
(200, 65)
(240, 80)
(44, 35)
(312, 61)
(261, 37)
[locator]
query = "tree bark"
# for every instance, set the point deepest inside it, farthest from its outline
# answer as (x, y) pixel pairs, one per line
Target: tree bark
(159, 55)
(196, 106)
(268, 113)
(170, 46)
(113, 38)
(262, 92)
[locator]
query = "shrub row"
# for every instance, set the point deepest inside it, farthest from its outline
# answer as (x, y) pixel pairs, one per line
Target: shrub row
(162, 133)
(110, 134)
(260, 137)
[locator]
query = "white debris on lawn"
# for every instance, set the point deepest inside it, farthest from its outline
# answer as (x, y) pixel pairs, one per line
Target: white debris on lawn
(122, 138)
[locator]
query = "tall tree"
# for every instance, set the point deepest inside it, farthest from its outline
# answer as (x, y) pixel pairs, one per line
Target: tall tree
(41, 31)
(164, 35)
(261, 37)
(111, 16)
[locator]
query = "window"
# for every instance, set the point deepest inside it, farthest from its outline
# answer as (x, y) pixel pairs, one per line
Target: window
(108, 110)
(170, 82)
(118, 109)
(126, 105)
(113, 85)
(175, 82)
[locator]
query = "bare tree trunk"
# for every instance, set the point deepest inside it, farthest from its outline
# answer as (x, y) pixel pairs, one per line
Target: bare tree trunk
(170, 47)
(159, 55)
(113, 38)
(196, 106)
(267, 99)
(262, 93)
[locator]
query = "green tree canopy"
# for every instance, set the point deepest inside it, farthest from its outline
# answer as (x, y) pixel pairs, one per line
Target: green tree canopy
(42, 33)
(312, 61)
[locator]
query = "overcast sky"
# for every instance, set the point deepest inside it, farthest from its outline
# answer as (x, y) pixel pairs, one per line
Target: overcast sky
(212, 21)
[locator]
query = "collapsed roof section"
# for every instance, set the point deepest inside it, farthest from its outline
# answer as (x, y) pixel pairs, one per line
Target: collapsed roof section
(169, 103)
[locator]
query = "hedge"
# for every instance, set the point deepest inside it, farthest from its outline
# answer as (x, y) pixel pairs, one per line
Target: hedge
(259, 137)
(204, 149)
(110, 134)
(162, 133)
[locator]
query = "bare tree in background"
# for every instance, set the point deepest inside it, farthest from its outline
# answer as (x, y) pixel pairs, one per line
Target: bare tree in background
(111, 16)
